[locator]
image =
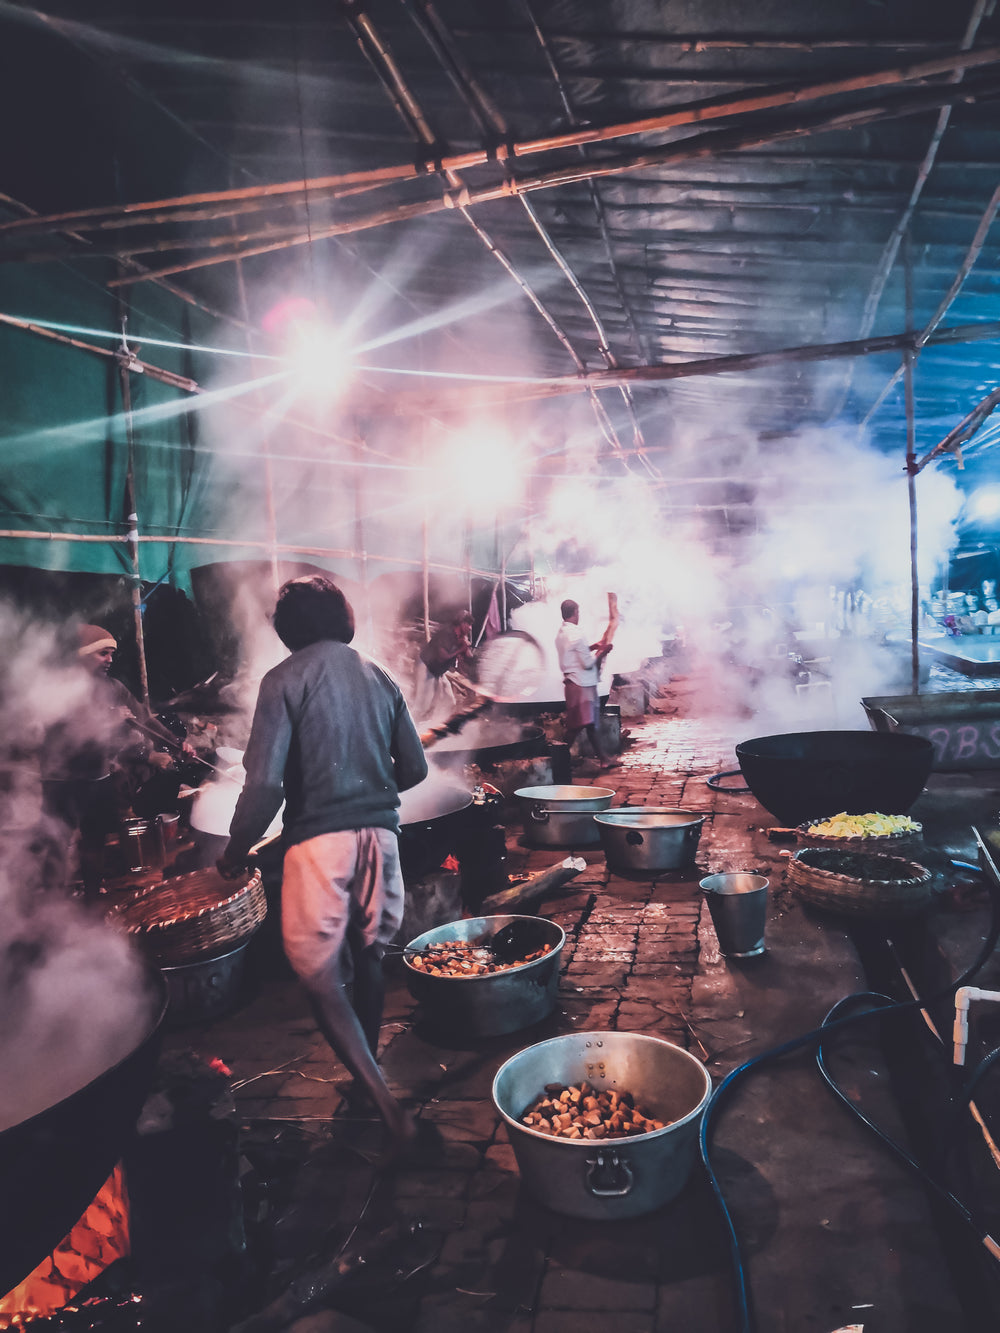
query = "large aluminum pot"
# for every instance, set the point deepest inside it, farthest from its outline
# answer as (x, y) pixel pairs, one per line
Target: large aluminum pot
(609, 1178)
(562, 816)
(204, 989)
(488, 1006)
(649, 837)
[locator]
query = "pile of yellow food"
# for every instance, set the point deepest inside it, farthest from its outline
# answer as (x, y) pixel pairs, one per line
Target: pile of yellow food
(865, 826)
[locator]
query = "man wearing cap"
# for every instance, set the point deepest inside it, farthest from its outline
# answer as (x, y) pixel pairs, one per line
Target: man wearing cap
(87, 753)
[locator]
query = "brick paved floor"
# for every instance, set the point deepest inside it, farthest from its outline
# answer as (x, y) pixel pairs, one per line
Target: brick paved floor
(641, 956)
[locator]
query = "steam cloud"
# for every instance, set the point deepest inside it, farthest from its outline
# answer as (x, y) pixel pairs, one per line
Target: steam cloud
(73, 995)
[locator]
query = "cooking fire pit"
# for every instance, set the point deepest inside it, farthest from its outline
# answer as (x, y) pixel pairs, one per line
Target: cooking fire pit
(53, 1163)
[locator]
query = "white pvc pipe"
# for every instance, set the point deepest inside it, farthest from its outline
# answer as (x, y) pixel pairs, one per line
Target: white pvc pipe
(963, 997)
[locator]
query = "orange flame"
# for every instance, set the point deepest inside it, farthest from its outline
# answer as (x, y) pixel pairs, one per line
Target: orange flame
(99, 1238)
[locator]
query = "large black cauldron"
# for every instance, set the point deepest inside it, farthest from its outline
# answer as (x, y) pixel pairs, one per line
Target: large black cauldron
(807, 775)
(52, 1165)
(432, 823)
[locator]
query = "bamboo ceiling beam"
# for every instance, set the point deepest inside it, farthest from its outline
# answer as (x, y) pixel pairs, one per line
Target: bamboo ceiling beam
(181, 382)
(381, 59)
(692, 114)
(596, 201)
(492, 123)
(707, 145)
(136, 365)
(966, 428)
(245, 543)
(718, 365)
(965, 268)
(888, 259)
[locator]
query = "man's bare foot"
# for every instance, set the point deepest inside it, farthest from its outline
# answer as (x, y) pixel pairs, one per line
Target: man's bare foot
(403, 1135)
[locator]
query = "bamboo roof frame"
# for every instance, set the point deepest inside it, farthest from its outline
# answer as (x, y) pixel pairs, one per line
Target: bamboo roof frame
(706, 146)
(710, 109)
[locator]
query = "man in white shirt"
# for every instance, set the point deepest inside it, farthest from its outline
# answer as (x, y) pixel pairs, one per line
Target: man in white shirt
(579, 663)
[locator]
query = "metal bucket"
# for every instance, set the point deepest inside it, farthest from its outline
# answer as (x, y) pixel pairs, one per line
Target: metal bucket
(609, 1178)
(649, 837)
(204, 989)
(563, 816)
(737, 901)
(500, 1002)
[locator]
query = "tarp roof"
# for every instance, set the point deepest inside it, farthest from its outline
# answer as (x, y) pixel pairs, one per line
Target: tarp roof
(823, 172)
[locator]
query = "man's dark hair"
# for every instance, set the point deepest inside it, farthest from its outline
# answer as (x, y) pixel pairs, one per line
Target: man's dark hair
(311, 609)
(569, 608)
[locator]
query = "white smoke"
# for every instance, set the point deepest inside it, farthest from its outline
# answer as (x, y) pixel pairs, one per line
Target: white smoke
(745, 554)
(73, 995)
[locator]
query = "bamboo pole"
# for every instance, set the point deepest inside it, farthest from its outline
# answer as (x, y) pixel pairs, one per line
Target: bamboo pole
(718, 365)
(269, 506)
(964, 430)
(467, 544)
(909, 359)
(425, 565)
(361, 545)
(697, 113)
(139, 366)
(123, 359)
(705, 146)
(503, 578)
(965, 268)
(27, 534)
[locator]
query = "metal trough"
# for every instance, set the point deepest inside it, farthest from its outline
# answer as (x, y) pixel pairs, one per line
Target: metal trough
(963, 726)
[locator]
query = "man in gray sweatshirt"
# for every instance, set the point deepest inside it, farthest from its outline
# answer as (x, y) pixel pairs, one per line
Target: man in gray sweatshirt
(332, 737)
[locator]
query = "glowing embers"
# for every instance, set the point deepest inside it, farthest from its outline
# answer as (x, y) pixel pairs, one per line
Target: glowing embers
(99, 1238)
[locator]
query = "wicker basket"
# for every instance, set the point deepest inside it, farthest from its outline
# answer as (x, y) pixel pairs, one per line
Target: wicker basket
(199, 915)
(876, 886)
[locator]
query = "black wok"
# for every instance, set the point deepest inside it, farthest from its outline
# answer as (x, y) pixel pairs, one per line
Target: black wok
(53, 1164)
(806, 775)
(532, 744)
(432, 824)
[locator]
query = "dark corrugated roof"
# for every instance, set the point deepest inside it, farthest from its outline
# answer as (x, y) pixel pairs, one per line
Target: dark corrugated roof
(768, 229)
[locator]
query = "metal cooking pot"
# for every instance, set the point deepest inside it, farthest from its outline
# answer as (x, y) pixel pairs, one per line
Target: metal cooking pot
(606, 1178)
(499, 1002)
(563, 816)
(206, 988)
(648, 837)
(431, 821)
(53, 1164)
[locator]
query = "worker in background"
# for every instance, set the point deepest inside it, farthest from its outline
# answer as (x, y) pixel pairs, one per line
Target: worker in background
(97, 756)
(332, 737)
(579, 662)
(448, 646)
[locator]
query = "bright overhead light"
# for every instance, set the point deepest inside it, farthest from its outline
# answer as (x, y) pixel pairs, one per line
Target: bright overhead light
(319, 359)
(983, 504)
